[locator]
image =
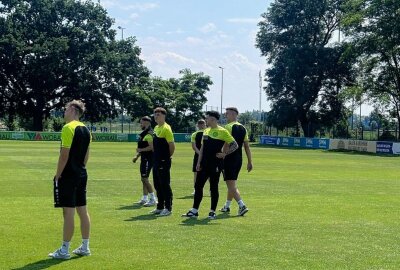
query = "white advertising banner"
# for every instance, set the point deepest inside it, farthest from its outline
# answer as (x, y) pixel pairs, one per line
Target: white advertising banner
(353, 145)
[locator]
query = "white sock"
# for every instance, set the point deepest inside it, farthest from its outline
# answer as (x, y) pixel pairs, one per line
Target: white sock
(152, 196)
(194, 210)
(241, 203)
(85, 244)
(228, 203)
(65, 247)
(145, 197)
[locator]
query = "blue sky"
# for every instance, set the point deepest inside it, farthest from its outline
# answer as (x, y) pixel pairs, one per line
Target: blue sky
(199, 35)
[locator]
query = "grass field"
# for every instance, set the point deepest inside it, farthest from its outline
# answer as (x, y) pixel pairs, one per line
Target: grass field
(309, 209)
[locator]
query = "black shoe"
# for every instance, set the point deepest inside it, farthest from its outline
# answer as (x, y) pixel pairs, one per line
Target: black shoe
(190, 214)
(243, 210)
(225, 209)
(212, 215)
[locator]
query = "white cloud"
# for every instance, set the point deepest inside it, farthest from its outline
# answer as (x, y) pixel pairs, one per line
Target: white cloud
(177, 31)
(134, 16)
(244, 20)
(118, 4)
(240, 62)
(140, 6)
(194, 41)
(172, 56)
(207, 28)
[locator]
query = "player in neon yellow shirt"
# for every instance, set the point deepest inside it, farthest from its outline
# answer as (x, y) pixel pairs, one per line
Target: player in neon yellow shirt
(210, 163)
(164, 148)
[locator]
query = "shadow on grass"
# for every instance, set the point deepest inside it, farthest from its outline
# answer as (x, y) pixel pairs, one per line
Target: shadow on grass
(205, 221)
(187, 197)
(195, 222)
(130, 207)
(43, 264)
(142, 217)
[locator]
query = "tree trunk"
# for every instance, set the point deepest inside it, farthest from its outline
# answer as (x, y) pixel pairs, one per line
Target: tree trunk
(10, 121)
(38, 120)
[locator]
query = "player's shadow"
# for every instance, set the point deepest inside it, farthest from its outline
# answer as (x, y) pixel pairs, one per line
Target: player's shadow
(187, 197)
(130, 207)
(142, 217)
(196, 222)
(43, 264)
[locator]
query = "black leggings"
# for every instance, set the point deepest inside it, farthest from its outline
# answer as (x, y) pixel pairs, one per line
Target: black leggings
(162, 184)
(201, 179)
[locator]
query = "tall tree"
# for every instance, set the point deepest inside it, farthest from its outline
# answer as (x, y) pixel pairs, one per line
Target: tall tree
(374, 26)
(189, 98)
(182, 97)
(54, 50)
(296, 39)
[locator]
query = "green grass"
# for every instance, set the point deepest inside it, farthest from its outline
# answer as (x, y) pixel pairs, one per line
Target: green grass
(309, 209)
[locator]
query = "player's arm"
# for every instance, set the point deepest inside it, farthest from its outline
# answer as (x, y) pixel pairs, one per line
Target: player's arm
(248, 154)
(146, 149)
(198, 166)
(195, 149)
(171, 148)
(228, 148)
(169, 136)
(62, 161)
(86, 157)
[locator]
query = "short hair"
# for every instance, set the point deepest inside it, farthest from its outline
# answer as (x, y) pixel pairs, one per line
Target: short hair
(232, 109)
(201, 122)
(214, 114)
(78, 105)
(160, 110)
(146, 118)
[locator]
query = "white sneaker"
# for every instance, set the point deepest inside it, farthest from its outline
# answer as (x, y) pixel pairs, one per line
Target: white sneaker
(165, 212)
(156, 211)
(81, 252)
(58, 254)
(150, 203)
(142, 202)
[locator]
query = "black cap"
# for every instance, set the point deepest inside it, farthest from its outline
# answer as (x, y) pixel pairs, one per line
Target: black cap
(214, 114)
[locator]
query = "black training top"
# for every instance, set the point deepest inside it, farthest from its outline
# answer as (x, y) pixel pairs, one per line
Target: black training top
(77, 138)
(162, 137)
(144, 138)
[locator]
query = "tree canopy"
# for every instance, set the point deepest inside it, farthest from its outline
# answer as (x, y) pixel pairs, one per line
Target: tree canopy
(52, 51)
(306, 68)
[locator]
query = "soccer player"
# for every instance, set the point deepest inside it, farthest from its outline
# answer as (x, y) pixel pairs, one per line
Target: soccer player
(233, 162)
(164, 148)
(210, 162)
(71, 178)
(145, 152)
(196, 146)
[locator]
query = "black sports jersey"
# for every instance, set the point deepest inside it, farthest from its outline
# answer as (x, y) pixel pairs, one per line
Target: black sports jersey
(213, 141)
(238, 132)
(144, 138)
(77, 137)
(162, 137)
(197, 139)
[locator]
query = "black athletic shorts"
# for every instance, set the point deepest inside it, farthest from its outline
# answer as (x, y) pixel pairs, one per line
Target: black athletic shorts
(195, 159)
(232, 166)
(145, 167)
(70, 192)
